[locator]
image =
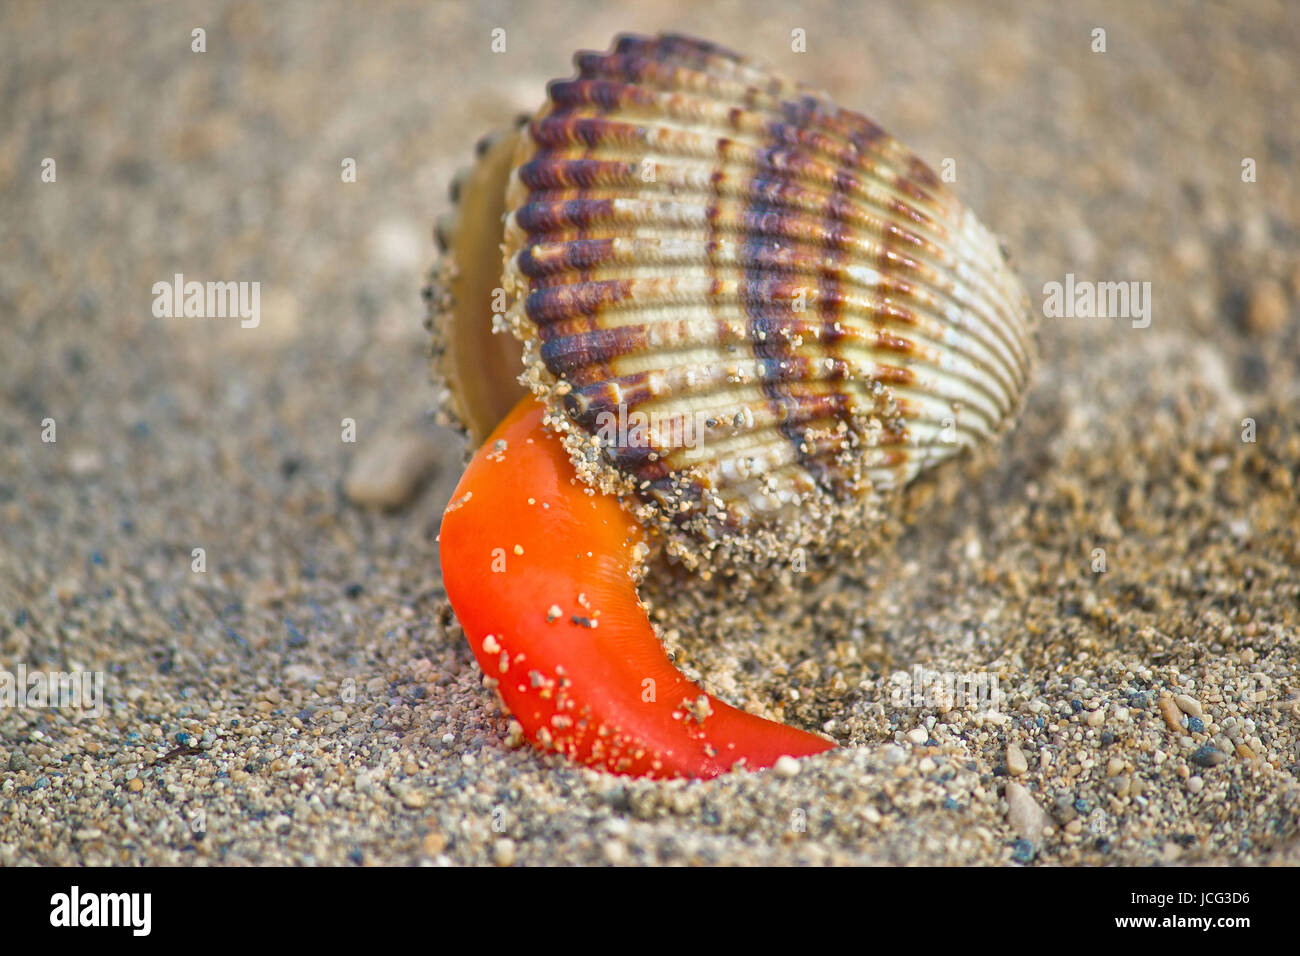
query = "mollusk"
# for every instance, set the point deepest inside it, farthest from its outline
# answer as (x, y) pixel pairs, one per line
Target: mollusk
(749, 314)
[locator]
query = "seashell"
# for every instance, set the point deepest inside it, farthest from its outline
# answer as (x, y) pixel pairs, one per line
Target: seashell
(751, 312)
(750, 317)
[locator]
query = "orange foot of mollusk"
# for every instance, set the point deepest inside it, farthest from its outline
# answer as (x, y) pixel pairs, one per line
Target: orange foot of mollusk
(539, 570)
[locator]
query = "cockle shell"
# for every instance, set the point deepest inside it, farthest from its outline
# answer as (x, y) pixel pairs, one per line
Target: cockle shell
(751, 312)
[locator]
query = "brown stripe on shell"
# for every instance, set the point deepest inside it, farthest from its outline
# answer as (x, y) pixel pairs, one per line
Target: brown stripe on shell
(605, 95)
(830, 301)
(572, 214)
(546, 174)
(769, 304)
(553, 303)
(583, 359)
(537, 261)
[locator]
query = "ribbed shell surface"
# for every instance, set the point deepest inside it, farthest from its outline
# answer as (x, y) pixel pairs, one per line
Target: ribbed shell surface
(757, 312)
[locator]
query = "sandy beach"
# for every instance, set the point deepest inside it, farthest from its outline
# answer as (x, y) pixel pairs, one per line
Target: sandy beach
(281, 679)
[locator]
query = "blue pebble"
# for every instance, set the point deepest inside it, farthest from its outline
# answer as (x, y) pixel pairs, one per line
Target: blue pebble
(1082, 806)
(1022, 851)
(183, 739)
(296, 637)
(951, 804)
(1195, 725)
(133, 736)
(1207, 755)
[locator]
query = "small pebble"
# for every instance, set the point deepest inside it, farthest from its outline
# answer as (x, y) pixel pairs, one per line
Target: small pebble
(1188, 705)
(917, 736)
(1016, 762)
(1022, 851)
(85, 461)
(1267, 310)
(434, 843)
(786, 766)
(894, 755)
(503, 853)
(1208, 756)
(1169, 711)
(1195, 784)
(1024, 813)
(390, 469)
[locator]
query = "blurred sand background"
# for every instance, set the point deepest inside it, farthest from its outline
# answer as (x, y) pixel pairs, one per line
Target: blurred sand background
(326, 706)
